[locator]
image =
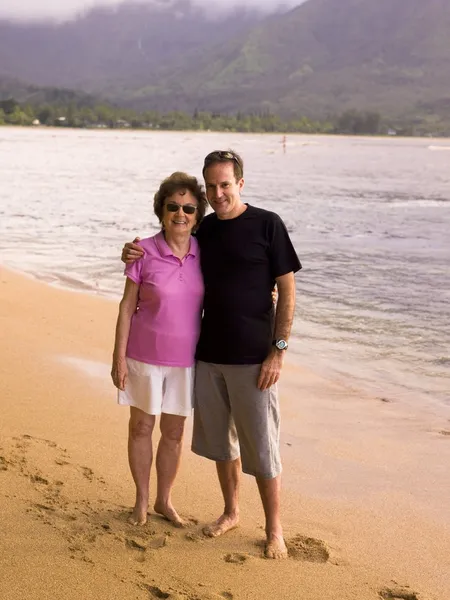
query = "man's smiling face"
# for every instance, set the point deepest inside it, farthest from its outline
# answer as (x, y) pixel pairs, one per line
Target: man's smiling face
(223, 191)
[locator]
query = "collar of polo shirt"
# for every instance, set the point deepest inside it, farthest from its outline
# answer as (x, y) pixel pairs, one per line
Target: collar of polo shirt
(164, 248)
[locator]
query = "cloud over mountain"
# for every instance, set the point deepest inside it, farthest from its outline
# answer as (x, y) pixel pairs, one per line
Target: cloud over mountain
(56, 9)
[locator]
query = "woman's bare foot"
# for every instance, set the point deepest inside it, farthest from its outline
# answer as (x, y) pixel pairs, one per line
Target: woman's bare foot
(275, 547)
(223, 524)
(169, 513)
(138, 516)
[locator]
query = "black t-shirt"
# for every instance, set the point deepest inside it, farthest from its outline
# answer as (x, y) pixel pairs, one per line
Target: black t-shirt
(240, 260)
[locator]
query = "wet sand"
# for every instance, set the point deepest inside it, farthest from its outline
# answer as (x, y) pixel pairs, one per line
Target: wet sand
(366, 481)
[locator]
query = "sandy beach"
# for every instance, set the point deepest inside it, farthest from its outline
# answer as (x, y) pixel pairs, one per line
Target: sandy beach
(366, 481)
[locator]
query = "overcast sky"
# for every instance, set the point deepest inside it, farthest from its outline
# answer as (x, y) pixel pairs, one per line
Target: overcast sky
(62, 9)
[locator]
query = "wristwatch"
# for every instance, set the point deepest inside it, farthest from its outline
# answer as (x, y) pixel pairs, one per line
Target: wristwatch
(280, 344)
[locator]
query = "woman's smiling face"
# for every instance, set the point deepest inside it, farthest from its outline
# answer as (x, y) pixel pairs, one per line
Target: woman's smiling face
(178, 221)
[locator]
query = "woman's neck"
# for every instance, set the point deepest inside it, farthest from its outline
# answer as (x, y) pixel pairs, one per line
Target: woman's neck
(179, 244)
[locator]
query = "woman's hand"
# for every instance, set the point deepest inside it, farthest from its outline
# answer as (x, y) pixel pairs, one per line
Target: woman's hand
(119, 372)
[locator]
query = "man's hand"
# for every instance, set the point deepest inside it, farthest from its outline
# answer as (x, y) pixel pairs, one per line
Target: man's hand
(119, 372)
(271, 369)
(131, 251)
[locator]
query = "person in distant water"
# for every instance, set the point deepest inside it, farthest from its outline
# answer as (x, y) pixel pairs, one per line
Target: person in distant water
(156, 335)
(283, 141)
(244, 251)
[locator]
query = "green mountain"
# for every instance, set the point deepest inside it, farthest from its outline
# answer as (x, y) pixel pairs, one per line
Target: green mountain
(35, 95)
(110, 49)
(323, 57)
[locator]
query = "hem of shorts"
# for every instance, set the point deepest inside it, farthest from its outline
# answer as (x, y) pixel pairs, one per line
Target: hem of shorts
(154, 414)
(271, 475)
(211, 457)
(262, 475)
(176, 414)
(163, 364)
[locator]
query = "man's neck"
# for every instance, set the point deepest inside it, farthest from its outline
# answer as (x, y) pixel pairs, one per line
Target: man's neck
(240, 209)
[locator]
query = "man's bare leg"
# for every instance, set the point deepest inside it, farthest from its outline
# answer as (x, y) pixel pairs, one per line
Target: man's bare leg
(168, 459)
(229, 472)
(269, 490)
(140, 456)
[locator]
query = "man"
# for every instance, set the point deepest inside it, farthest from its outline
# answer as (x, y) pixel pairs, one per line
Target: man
(244, 251)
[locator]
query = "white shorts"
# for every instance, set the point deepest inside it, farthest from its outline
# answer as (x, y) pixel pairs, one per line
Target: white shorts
(158, 389)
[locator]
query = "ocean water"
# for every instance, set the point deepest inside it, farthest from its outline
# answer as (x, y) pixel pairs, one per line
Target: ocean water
(369, 217)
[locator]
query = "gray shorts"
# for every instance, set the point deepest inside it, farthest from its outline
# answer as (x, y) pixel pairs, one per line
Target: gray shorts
(233, 418)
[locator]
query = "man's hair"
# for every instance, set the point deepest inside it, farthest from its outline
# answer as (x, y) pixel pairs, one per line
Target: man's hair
(174, 183)
(223, 156)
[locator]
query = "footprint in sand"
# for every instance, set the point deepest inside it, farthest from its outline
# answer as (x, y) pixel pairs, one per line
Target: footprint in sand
(88, 473)
(36, 478)
(194, 537)
(307, 549)
(158, 542)
(78, 544)
(157, 592)
(210, 596)
(398, 594)
(40, 461)
(135, 545)
(183, 524)
(190, 521)
(25, 436)
(44, 507)
(236, 558)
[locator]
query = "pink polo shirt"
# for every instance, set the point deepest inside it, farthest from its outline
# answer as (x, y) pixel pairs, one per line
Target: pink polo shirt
(166, 325)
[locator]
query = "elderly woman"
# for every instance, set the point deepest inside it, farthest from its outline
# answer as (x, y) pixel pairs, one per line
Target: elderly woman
(157, 331)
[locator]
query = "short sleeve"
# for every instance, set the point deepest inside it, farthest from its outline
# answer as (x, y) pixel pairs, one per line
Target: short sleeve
(282, 255)
(134, 270)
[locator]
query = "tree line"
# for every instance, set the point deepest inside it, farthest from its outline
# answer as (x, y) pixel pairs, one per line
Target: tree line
(82, 115)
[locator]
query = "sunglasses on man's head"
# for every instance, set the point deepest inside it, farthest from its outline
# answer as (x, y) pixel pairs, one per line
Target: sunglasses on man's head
(219, 155)
(188, 209)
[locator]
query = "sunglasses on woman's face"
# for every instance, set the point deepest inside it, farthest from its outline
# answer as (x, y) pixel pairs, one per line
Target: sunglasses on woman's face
(188, 209)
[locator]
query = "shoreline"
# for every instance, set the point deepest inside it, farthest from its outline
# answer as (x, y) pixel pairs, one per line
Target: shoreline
(377, 136)
(365, 499)
(418, 403)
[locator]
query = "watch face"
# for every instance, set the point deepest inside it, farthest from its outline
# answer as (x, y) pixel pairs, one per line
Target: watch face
(281, 344)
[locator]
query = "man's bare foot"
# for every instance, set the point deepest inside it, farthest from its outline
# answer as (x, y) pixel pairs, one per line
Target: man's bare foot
(169, 513)
(138, 516)
(275, 547)
(222, 525)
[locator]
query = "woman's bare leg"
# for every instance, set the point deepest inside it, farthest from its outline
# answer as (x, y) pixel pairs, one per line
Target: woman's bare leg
(167, 463)
(140, 457)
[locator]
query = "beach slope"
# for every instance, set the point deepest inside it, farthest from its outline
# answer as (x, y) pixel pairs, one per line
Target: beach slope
(365, 482)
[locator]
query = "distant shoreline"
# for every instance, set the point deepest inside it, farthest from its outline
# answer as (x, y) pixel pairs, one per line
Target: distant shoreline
(216, 131)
